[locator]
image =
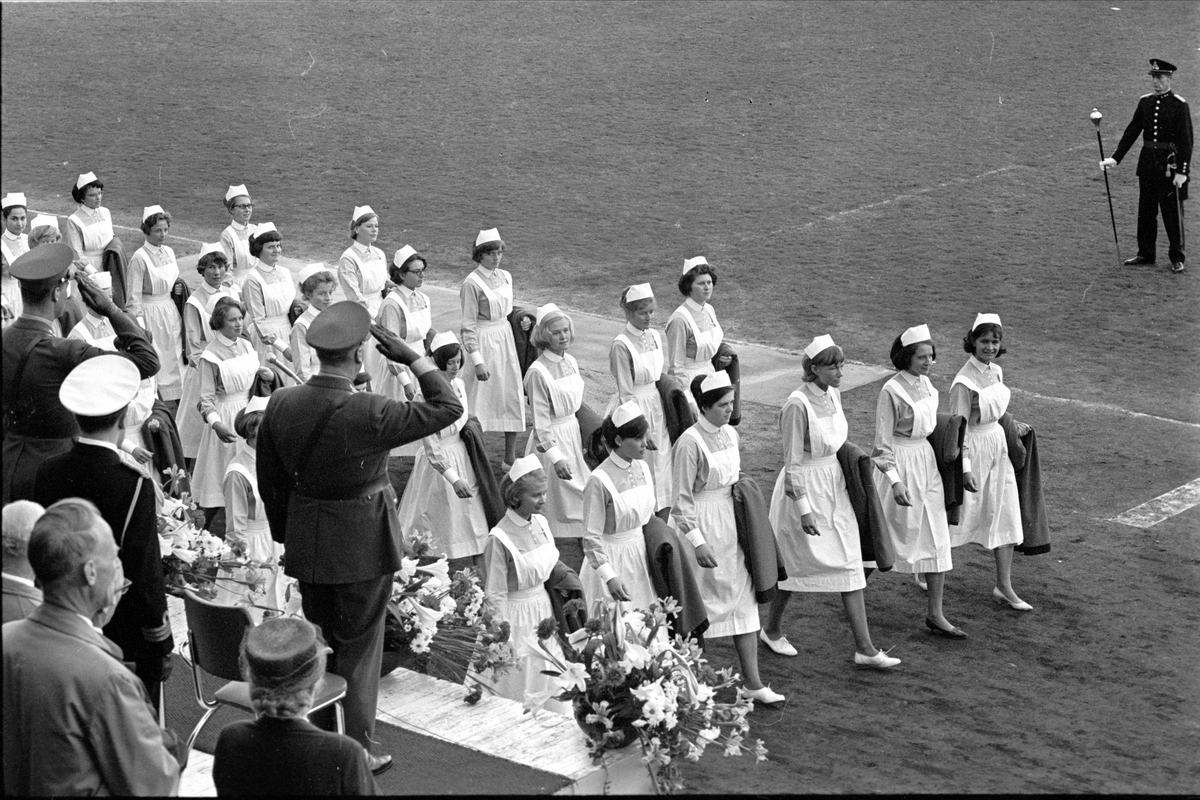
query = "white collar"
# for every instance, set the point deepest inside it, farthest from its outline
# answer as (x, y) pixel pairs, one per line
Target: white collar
(554, 358)
(632, 331)
(91, 212)
(619, 462)
(12, 238)
(363, 249)
(98, 443)
(693, 305)
(515, 519)
(20, 580)
(265, 268)
(153, 248)
(909, 378)
(93, 320)
(488, 273)
(814, 390)
(405, 292)
(705, 425)
(237, 226)
(225, 340)
(979, 365)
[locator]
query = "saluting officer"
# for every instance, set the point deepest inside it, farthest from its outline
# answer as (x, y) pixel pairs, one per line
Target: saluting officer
(1165, 122)
(36, 361)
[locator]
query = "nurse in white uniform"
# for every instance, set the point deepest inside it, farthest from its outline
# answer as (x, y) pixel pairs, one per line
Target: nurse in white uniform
(152, 275)
(89, 228)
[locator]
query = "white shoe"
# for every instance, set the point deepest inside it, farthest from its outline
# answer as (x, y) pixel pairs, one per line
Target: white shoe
(763, 695)
(1020, 605)
(917, 580)
(781, 645)
(880, 660)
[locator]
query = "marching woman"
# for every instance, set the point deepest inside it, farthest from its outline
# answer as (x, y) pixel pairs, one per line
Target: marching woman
(228, 367)
(317, 286)
(363, 269)
(618, 500)
(907, 480)
(555, 390)
(89, 228)
(991, 511)
(636, 361)
(235, 239)
(707, 464)
(810, 508)
(152, 274)
(14, 242)
(693, 333)
(267, 293)
(493, 379)
(214, 267)
(442, 495)
(519, 557)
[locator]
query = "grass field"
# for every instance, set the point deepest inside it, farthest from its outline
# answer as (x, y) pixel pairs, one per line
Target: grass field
(850, 168)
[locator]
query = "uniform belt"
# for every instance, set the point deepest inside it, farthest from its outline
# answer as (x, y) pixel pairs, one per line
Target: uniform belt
(1159, 145)
(350, 493)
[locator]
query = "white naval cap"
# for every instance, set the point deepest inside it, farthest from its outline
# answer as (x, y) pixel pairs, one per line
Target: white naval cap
(523, 466)
(818, 345)
(101, 385)
(236, 191)
(919, 333)
(639, 291)
(983, 319)
(626, 413)
(689, 263)
(13, 199)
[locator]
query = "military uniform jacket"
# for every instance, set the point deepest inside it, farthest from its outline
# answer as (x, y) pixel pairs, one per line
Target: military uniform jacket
(109, 479)
(1160, 118)
(337, 520)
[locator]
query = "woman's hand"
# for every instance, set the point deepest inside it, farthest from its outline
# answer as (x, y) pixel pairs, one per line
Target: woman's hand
(969, 482)
(705, 557)
(900, 494)
(526, 323)
(809, 523)
(723, 362)
(481, 372)
(462, 490)
(617, 589)
(265, 373)
(227, 436)
(143, 455)
(562, 469)
(1023, 429)
(410, 391)
(153, 425)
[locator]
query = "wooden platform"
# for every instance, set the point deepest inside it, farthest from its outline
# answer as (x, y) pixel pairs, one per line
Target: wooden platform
(496, 726)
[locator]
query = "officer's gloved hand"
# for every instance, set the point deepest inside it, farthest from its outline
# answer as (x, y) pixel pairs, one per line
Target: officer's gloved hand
(1179, 180)
(1108, 162)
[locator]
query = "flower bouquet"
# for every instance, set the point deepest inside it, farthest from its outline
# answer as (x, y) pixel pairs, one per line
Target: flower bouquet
(442, 625)
(628, 682)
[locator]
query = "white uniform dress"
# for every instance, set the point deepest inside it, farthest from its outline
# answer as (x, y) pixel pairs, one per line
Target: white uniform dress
(89, 230)
(235, 241)
(617, 501)
(458, 525)
(520, 556)
(13, 247)
(246, 523)
(227, 370)
(636, 360)
(196, 336)
(99, 331)
(693, 336)
(304, 358)
(486, 298)
(990, 517)
(905, 414)
(267, 293)
(11, 304)
(406, 313)
(813, 428)
(362, 272)
(152, 274)
(707, 465)
(555, 390)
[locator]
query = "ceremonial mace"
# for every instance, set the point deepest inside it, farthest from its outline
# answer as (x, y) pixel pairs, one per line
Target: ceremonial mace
(283, 368)
(1096, 117)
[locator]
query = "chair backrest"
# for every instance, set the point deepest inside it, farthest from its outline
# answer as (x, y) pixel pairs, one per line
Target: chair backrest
(216, 633)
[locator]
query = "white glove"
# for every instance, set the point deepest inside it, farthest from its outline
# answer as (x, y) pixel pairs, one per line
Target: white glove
(1108, 162)
(1179, 180)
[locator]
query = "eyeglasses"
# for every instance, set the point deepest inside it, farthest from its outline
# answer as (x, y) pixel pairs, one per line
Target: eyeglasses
(125, 586)
(244, 206)
(417, 271)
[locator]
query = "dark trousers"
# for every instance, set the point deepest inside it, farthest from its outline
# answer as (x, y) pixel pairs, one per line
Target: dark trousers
(350, 616)
(1158, 195)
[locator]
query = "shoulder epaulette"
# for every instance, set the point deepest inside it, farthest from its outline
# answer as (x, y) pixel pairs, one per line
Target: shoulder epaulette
(1180, 99)
(135, 465)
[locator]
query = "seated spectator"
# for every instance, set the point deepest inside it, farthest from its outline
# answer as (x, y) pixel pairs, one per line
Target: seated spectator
(281, 752)
(20, 595)
(76, 720)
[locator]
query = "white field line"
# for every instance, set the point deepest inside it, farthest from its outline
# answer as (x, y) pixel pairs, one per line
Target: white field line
(1105, 407)
(1162, 507)
(122, 227)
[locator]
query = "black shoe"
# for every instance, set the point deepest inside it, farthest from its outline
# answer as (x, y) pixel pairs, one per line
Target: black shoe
(379, 764)
(936, 630)
(1177, 266)
(1133, 262)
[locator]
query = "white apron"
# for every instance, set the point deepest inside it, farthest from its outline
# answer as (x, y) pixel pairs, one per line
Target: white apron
(564, 498)
(727, 588)
(277, 301)
(213, 457)
(239, 259)
(260, 547)
(831, 562)
(647, 369)
(706, 347)
(372, 276)
(625, 547)
(14, 249)
(96, 235)
(990, 517)
(498, 402)
(162, 320)
(919, 533)
(187, 418)
(524, 608)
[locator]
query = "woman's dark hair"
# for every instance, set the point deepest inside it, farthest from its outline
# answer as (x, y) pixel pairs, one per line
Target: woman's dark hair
(152, 220)
(259, 241)
(443, 355)
(221, 311)
(634, 429)
(313, 281)
(706, 400)
(246, 425)
(688, 278)
(97, 424)
(9, 209)
(404, 268)
(80, 192)
(355, 223)
(512, 491)
(973, 336)
(902, 354)
(828, 357)
(477, 250)
(212, 259)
